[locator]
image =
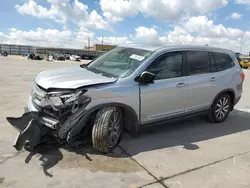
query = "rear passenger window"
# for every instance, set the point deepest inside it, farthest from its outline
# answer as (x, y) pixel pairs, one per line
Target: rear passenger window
(198, 62)
(223, 61)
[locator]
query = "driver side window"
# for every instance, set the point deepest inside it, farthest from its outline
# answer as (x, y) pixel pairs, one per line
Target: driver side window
(167, 66)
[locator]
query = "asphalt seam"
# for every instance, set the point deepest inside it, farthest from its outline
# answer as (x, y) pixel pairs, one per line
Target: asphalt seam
(7, 158)
(144, 168)
(78, 164)
(197, 168)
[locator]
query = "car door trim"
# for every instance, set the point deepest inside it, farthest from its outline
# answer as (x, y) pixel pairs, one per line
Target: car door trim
(175, 118)
(177, 112)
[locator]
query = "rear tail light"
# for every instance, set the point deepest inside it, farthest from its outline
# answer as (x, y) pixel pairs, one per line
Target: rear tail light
(242, 75)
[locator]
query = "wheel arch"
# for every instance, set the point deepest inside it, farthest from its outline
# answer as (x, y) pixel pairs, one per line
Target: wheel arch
(231, 93)
(132, 123)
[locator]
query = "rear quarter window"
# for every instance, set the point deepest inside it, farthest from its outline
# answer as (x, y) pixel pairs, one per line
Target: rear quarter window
(223, 61)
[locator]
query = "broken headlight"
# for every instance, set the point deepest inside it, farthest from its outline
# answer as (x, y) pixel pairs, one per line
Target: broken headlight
(56, 99)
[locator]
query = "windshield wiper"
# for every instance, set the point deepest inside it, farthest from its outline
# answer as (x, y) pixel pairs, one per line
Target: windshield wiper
(84, 66)
(97, 71)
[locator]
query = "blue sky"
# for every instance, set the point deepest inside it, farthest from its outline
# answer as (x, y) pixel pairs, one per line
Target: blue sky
(70, 23)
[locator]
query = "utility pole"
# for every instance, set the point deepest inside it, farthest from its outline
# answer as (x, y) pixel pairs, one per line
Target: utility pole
(102, 42)
(89, 43)
(1, 45)
(241, 43)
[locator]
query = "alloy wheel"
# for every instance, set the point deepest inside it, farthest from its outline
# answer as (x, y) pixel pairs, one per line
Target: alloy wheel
(115, 128)
(222, 107)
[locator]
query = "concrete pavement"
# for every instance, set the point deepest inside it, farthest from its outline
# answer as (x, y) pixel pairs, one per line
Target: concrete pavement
(191, 153)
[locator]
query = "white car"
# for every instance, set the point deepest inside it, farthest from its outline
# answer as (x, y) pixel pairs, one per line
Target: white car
(75, 58)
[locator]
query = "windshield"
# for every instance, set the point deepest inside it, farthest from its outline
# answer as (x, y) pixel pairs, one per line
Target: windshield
(119, 62)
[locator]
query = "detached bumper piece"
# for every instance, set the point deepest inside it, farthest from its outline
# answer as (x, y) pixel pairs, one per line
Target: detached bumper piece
(30, 130)
(65, 123)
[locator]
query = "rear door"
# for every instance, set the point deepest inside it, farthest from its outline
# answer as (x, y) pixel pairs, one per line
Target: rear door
(201, 89)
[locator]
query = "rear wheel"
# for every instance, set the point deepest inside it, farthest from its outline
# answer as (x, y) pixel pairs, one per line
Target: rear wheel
(107, 129)
(220, 109)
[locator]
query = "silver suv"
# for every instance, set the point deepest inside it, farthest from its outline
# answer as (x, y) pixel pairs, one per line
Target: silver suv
(128, 88)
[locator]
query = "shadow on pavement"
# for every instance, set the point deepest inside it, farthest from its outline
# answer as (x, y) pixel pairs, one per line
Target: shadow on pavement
(184, 133)
(50, 156)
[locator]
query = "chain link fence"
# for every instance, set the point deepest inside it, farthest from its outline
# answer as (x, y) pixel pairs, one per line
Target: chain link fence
(21, 49)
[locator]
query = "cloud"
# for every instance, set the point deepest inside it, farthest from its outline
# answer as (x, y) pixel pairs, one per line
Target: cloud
(117, 10)
(58, 38)
(33, 9)
(204, 27)
(164, 10)
(179, 36)
(38, 37)
(201, 6)
(146, 34)
(243, 2)
(200, 30)
(236, 16)
(65, 11)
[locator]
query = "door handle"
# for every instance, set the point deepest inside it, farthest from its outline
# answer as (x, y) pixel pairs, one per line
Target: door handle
(212, 79)
(181, 85)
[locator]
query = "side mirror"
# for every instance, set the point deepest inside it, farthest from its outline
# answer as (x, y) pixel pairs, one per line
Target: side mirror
(145, 78)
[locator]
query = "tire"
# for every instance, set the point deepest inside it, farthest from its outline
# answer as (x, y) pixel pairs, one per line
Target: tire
(220, 108)
(107, 129)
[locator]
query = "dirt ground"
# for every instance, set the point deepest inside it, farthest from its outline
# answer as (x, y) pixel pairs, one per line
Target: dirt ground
(191, 153)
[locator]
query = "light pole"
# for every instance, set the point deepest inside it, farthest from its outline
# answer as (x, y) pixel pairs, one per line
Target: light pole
(241, 40)
(102, 42)
(1, 45)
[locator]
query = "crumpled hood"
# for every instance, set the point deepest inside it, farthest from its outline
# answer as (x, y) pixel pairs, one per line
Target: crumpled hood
(70, 78)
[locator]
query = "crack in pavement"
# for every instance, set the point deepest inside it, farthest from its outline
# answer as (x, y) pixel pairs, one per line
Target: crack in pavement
(197, 168)
(9, 157)
(78, 164)
(133, 159)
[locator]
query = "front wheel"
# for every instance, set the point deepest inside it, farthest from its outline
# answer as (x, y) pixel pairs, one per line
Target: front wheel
(107, 129)
(220, 109)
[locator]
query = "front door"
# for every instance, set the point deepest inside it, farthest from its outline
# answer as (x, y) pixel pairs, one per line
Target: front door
(166, 97)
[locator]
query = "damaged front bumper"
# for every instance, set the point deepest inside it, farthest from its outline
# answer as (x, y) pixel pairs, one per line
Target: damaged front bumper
(64, 123)
(31, 130)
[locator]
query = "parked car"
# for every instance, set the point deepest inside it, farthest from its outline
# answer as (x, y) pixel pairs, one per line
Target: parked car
(5, 54)
(33, 56)
(49, 57)
(75, 58)
(60, 57)
(85, 57)
(26, 54)
(128, 88)
(67, 56)
(244, 62)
